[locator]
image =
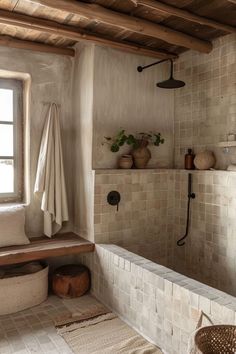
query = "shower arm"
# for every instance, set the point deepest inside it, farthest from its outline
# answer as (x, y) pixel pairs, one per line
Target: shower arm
(141, 68)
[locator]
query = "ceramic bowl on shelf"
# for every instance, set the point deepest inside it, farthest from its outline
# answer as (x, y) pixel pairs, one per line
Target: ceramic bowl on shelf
(125, 161)
(204, 160)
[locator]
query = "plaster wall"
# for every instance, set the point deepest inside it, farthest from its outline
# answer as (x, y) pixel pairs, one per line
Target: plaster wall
(83, 128)
(48, 78)
(124, 98)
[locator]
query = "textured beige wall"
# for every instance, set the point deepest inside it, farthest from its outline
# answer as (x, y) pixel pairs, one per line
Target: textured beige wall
(152, 217)
(83, 186)
(51, 77)
(205, 109)
(210, 249)
(144, 221)
(128, 99)
(109, 93)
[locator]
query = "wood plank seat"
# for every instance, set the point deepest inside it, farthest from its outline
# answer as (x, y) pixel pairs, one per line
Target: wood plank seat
(44, 247)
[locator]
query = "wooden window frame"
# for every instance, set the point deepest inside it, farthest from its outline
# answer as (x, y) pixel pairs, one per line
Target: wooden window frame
(17, 87)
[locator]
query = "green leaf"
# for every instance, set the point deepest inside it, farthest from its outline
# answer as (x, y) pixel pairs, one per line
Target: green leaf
(130, 139)
(120, 134)
(115, 148)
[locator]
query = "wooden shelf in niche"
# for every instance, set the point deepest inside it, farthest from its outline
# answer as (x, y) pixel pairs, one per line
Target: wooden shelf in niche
(227, 144)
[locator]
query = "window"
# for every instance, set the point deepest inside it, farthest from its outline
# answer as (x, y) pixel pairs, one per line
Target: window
(11, 140)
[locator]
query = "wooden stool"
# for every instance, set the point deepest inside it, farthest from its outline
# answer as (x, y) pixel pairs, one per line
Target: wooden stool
(71, 281)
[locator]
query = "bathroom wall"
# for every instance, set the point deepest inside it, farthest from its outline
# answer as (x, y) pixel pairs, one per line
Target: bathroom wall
(205, 112)
(83, 183)
(124, 98)
(50, 80)
(143, 222)
(205, 109)
(152, 217)
(109, 93)
(210, 249)
(152, 212)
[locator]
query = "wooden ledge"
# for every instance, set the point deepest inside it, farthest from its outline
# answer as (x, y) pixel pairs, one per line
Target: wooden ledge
(44, 247)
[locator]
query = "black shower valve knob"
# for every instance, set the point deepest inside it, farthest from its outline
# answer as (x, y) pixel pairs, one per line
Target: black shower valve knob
(113, 198)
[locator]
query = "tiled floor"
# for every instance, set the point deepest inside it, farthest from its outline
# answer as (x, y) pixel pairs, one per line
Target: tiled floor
(33, 331)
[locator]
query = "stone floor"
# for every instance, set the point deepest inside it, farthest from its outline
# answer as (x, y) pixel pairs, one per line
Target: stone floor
(33, 331)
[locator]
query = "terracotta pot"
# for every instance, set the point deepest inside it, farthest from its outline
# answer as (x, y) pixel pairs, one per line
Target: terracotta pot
(204, 160)
(71, 280)
(141, 155)
(125, 161)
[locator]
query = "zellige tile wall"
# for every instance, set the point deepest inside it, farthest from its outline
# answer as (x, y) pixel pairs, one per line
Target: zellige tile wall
(205, 109)
(152, 217)
(210, 249)
(143, 222)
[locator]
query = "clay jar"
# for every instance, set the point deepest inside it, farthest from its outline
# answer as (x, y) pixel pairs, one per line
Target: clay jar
(141, 155)
(71, 280)
(204, 160)
(125, 161)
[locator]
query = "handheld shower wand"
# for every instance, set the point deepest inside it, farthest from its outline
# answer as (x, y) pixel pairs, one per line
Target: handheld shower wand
(191, 195)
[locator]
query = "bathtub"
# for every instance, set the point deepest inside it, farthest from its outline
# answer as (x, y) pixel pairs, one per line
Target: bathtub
(161, 304)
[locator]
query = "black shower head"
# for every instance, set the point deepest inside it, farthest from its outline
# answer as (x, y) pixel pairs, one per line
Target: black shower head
(171, 83)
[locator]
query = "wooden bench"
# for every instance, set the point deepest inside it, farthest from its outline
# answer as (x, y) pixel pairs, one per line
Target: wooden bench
(44, 247)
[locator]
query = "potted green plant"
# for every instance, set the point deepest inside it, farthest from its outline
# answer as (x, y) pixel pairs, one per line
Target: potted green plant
(139, 143)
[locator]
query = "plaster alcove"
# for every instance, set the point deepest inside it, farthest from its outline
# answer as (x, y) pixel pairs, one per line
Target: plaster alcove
(109, 93)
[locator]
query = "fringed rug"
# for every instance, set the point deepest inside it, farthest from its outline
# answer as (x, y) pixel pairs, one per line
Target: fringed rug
(100, 331)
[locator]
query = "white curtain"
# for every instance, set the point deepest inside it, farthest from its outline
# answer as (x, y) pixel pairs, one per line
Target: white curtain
(50, 178)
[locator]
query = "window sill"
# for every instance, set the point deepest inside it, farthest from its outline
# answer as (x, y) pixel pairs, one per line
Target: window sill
(9, 204)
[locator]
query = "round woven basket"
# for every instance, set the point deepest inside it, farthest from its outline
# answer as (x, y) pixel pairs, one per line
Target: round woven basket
(218, 339)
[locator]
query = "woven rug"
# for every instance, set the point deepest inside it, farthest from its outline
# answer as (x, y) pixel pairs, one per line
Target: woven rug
(100, 331)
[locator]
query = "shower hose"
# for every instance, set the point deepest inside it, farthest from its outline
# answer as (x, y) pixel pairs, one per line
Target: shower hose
(191, 195)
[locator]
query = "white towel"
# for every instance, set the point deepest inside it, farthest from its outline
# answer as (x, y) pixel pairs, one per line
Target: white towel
(50, 179)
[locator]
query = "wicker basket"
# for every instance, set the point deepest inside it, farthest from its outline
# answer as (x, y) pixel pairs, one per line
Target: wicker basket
(218, 339)
(21, 292)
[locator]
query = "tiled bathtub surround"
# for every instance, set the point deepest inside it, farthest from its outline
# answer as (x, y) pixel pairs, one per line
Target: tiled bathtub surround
(143, 223)
(152, 216)
(158, 302)
(205, 109)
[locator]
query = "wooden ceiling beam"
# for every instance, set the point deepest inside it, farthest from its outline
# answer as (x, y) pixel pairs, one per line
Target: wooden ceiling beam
(76, 34)
(6, 41)
(98, 13)
(187, 15)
